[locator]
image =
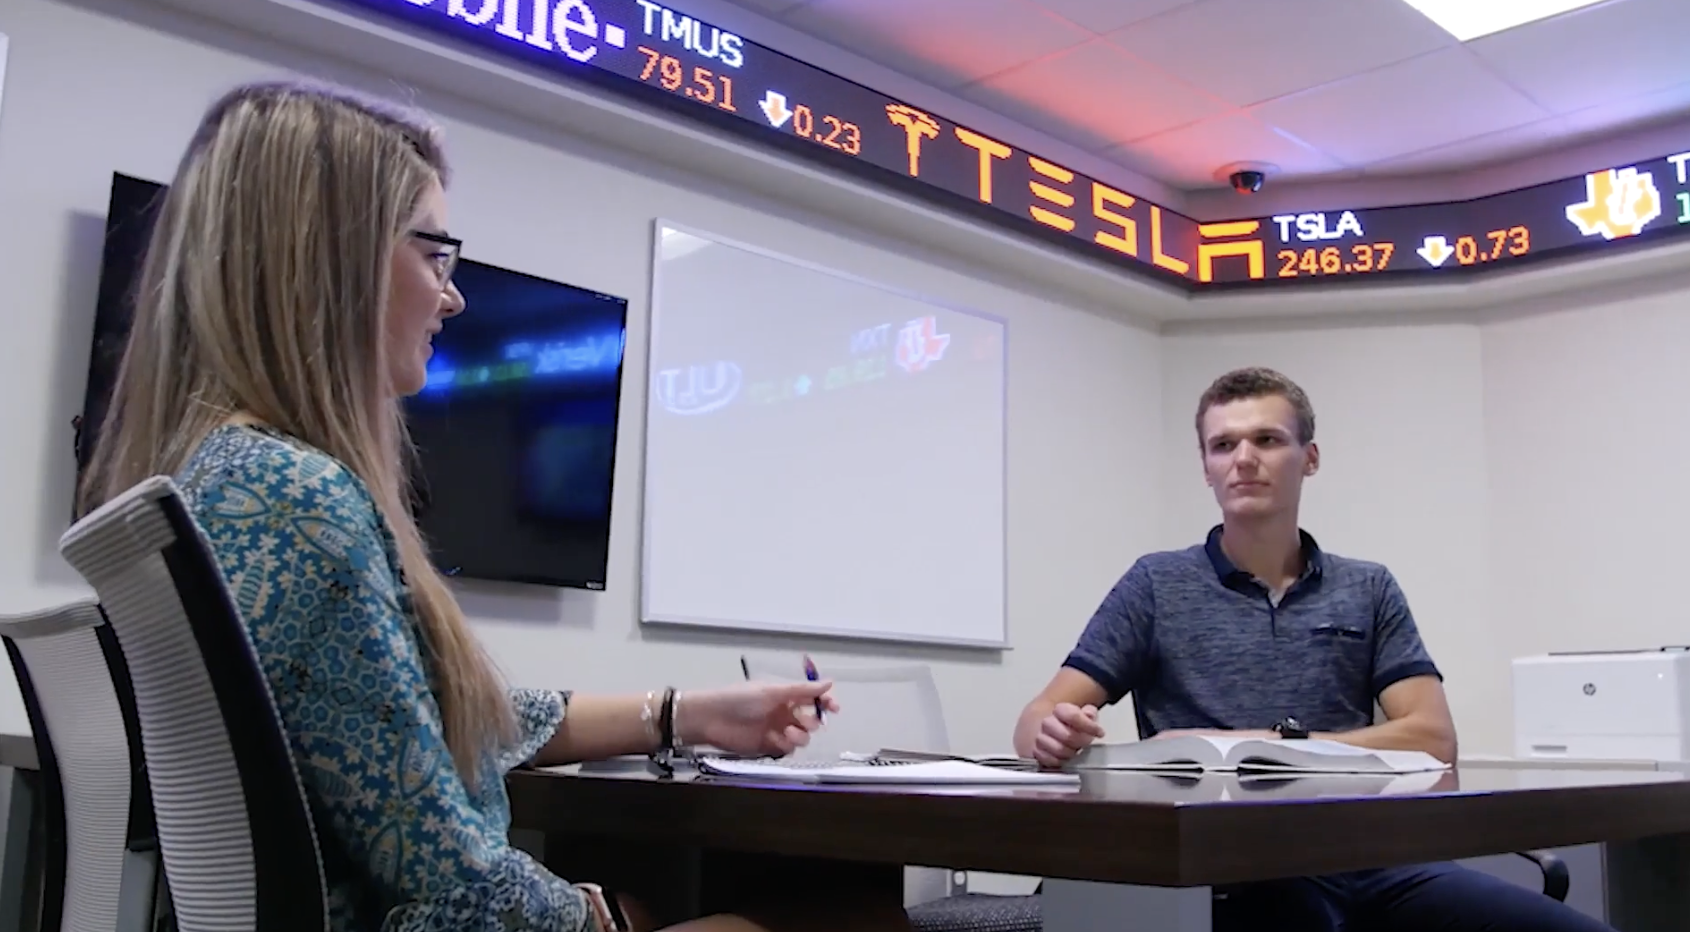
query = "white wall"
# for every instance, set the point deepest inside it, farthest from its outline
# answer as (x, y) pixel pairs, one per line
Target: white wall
(1588, 441)
(88, 94)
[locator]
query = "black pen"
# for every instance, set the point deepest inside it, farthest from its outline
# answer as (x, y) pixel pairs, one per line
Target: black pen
(811, 675)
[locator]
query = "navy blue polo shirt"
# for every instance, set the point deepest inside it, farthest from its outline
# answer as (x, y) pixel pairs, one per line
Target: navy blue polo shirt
(1200, 643)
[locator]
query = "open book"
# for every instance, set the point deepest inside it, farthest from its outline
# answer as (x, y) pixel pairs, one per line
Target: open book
(1191, 786)
(1218, 752)
(931, 773)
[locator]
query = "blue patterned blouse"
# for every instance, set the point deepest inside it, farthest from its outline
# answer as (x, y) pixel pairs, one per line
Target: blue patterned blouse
(315, 572)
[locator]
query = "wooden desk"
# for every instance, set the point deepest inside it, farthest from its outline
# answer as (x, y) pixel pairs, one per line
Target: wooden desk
(1117, 828)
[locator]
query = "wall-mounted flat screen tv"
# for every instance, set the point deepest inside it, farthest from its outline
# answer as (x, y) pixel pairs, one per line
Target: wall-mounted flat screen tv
(516, 430)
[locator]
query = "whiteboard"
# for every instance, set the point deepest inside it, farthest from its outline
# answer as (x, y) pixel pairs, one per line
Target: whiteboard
(823, 454)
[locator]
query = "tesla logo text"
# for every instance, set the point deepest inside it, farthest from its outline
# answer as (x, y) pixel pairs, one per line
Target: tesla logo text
(698, 389)
(1312, 227)
(917, 126)
(1618, 202)
(920, 344)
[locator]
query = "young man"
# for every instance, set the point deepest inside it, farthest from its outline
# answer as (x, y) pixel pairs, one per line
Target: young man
(1258, 632)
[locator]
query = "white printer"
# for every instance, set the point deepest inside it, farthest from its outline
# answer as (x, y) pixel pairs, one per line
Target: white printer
(1616, 705)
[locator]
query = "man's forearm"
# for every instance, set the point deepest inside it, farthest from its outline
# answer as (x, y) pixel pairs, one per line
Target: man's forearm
(1404, 734)
(599, 727)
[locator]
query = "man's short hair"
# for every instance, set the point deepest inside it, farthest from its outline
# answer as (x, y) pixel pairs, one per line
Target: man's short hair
(1258, 382)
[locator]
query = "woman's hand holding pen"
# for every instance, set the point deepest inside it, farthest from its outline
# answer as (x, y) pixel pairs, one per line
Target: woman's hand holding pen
(765, 719)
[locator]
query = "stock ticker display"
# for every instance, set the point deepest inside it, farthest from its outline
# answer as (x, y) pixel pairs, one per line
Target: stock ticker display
(768, 98)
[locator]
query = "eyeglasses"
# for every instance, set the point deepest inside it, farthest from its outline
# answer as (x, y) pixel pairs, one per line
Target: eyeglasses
(446, 257)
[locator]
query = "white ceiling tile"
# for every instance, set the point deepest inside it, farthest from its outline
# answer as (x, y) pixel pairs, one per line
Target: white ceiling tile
(1187, 157)
(1109, 15)
(1125, 99)
(1248, 51)
(1328, 84)
(1661, 106)
(1590, 57)
(943, 42)
(1433, 100)
(1476, 151)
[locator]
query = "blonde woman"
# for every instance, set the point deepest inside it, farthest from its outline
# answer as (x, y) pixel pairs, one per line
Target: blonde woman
(299, 267)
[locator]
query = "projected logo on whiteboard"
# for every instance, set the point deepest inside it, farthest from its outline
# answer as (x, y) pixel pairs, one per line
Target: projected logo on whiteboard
(698, 389)
(920, 344)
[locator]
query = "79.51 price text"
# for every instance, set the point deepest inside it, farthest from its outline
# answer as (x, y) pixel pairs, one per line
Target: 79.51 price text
(696, 83)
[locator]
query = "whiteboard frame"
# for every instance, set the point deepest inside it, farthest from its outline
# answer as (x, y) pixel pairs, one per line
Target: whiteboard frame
(4, 43)
(1002, 643)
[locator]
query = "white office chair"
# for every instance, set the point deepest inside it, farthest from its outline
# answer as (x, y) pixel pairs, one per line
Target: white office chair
(99, 869)
(899, 707)
(239, 847)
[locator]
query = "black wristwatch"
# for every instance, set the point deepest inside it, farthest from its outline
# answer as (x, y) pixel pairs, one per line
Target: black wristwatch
(1289, 727)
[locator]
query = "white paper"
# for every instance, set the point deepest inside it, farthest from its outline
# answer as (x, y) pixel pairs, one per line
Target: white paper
(938, 773)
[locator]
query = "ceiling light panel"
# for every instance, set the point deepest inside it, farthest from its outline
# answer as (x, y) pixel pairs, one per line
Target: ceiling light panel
(1470, 19)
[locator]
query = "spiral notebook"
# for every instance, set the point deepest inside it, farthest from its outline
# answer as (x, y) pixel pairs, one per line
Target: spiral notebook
(927, 773)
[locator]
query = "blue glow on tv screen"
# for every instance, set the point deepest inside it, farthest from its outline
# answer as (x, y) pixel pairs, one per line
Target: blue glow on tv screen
(516, 429)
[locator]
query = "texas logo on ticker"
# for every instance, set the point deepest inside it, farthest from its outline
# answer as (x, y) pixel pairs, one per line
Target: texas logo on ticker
(1618, 202)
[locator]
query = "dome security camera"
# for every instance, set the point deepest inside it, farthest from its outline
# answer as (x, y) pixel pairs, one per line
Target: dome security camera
(1246, 177)
(1247, 182)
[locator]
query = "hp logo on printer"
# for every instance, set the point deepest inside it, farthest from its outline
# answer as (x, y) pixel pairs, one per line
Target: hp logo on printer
(1590, 689)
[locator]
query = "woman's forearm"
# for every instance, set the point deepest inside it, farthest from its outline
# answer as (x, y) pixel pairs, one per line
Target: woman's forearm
(599, 727)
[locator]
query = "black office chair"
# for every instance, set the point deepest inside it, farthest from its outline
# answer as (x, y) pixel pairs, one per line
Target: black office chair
(239, 847)
(979, 912)
(1556, 879)
(99, 853)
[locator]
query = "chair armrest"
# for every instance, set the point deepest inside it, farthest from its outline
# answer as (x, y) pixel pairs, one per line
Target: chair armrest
(1556, 879)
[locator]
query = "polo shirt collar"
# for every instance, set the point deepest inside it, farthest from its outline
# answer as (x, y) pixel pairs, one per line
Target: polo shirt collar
(1314, 560)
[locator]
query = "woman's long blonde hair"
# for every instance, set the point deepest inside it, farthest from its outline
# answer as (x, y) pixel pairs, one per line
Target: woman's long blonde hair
(262, 294)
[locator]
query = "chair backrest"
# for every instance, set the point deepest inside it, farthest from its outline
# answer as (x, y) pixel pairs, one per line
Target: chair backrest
(234, 827)
(84, 750)
(879, 707)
